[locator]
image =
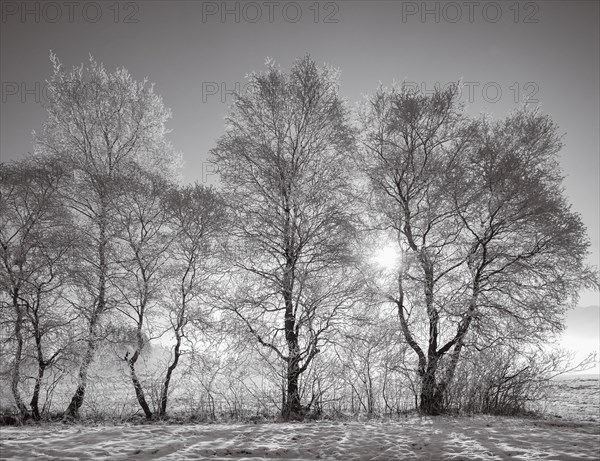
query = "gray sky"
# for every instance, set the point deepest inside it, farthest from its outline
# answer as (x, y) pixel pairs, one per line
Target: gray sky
(196, 51)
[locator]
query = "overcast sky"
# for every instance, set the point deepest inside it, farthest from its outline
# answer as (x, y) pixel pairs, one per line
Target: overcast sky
(196, 52)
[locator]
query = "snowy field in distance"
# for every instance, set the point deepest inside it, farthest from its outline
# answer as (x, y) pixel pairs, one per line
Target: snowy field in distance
(576, 398)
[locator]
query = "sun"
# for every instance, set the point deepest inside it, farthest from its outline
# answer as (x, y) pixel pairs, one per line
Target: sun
(387, 257)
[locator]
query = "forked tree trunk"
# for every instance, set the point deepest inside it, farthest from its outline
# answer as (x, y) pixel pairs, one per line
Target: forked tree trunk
(35, 409)
(164, 394)
(72, 410)
(42, 365)
(137, 386)
(431, 398)
(16, 371)
(293, 409)
(433, 392)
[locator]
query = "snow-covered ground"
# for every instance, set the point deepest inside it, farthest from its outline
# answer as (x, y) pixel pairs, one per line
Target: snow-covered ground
(466, 438)
(571, 431)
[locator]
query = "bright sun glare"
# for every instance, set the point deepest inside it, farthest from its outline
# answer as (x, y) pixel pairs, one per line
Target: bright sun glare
(387, 257)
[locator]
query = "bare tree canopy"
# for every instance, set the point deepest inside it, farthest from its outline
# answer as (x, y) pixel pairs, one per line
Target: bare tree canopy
(269, 291)
(35, 245)
(99, 125)
(488, 242)
(284, 165)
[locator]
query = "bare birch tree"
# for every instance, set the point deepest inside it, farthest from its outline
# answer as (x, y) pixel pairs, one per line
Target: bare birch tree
(98, 123)
(196, 218)
(284, 168)
(144, 238)
(483, 227)
(35, 243)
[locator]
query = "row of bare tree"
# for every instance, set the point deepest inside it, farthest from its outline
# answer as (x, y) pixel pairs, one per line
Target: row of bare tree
(98, 237)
